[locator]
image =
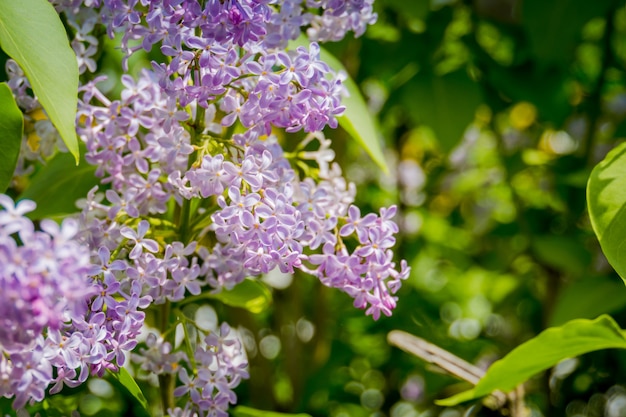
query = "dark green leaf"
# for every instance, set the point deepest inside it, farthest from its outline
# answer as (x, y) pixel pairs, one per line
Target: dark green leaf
(446, 103)
(588, 298)
(416, 9)
(31, 32)
(620, 130)
(252, 295)
(243, 411)
(554, 27)
(606, 199)
(11, 128)
(542, 352)
(563, 253)
(129, 383)
(56, 187)
(356, 120)
(549, 92)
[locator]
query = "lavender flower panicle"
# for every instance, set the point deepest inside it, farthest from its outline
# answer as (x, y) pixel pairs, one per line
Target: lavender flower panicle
(44, 285)
(201, 126)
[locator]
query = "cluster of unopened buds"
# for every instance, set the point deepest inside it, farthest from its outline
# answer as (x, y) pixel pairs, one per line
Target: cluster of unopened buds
(197, 194)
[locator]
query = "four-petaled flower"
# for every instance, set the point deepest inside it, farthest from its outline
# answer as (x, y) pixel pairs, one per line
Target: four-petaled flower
(137, 237)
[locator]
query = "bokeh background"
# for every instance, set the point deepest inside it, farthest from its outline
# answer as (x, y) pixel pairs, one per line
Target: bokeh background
(493, 114)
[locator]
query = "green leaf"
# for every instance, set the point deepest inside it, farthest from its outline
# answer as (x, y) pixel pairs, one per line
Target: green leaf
(56, 187)
(11, 128)
(243, 411)
(356, 120)
(554, 27)
(606, 199)
(129, 383)
(550, 93)
(415, 9)
(31, 32)
(588, 298)
(250, 294)
(446, 103)
(542, 352)
(564, 253)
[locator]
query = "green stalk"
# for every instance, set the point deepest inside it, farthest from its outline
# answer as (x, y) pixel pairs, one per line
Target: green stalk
(195, 132)
(166, 381)
(182, 216)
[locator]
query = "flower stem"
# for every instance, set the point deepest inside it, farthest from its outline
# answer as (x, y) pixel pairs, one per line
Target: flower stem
(166, 381)
(195, 132)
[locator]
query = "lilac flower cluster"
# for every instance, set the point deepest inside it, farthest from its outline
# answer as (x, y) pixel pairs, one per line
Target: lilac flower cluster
(44, 286)
(368, 274)
(268, 23)
(158, 358)
(217, 55)
(265, 216)
(67, 312)
(196, 195)
(339, 17)
(41, 278)
(220, 364)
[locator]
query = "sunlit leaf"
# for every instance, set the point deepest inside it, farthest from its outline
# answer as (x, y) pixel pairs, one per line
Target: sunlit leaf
(252, 295)
(56, 187)
(243, 411)
(356, 120)
(606, 199)
(129, 383)
(31, 32)
(11, 127)
(542, 352)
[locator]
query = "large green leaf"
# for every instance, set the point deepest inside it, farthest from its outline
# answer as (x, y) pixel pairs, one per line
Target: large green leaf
(356, 120)
(243, 411)
(606, 199)
(11, 127)
(31, 32)
(554, 27)
(446, 103)
(128, 382)
(250, 294)
(56, 187)
(542, 352)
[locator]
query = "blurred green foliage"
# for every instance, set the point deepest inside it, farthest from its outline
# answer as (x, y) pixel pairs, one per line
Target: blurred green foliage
(493, 114)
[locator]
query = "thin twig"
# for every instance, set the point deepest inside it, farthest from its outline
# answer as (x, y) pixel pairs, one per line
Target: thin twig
(457, 367)
(436, 355)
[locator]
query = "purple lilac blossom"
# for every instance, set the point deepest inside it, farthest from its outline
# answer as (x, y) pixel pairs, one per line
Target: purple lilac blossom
(43, 278)
(220, 364)
(44, 285)
(268, 23)
(224, 64)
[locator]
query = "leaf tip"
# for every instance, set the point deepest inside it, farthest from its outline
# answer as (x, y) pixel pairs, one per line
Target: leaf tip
(457, 399)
